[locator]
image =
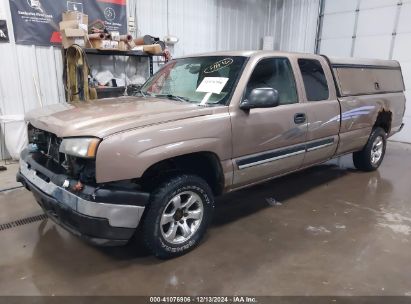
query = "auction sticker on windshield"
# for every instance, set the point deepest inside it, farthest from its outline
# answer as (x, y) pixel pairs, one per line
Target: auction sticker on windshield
(218, 65)
(212, 85)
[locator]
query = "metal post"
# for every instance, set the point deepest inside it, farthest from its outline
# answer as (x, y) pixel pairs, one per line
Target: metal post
(354, 35)
(394, 32)
(320, 21)
(151, 65)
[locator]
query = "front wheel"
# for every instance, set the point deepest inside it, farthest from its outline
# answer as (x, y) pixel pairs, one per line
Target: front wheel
(178, 216)
(372, 155)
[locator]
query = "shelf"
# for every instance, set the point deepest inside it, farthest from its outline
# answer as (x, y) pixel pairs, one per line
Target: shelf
(110, 89)
(108, 92)
(117, 53)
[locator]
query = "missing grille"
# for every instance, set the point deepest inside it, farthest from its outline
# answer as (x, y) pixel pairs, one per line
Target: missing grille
(23, 221)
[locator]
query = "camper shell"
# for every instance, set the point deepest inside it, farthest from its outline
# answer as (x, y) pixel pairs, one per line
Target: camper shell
(366, 76)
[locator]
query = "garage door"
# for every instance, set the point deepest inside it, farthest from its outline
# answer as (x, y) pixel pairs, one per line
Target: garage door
(371, 29)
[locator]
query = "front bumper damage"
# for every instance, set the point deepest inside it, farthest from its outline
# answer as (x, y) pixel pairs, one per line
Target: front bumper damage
(101, 215)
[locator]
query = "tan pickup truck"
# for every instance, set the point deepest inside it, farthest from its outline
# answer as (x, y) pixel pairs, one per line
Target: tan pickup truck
(202, 126)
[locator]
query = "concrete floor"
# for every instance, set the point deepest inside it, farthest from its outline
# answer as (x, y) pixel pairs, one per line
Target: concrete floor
(331, 231)
(8, 177)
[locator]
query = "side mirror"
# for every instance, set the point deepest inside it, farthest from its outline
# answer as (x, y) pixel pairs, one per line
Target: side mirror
(261, 98)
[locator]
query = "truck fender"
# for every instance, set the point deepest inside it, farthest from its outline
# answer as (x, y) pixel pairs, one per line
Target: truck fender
(133, 165)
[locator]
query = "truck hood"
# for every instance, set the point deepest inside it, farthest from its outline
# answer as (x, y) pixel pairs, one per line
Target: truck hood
(104, 117)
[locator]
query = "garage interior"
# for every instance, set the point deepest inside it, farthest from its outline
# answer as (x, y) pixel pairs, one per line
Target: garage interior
(329, 230)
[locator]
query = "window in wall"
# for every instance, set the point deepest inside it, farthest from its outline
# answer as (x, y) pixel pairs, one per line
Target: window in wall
(275, 73)
(316, 86)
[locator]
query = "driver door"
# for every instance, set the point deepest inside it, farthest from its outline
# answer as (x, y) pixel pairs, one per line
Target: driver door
(269, 141)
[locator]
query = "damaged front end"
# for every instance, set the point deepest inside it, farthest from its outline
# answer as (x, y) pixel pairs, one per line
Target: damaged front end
(65, 187)
(82, 169)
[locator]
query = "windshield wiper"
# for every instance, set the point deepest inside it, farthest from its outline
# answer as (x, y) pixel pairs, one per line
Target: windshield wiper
(174, 97)
(142, 93)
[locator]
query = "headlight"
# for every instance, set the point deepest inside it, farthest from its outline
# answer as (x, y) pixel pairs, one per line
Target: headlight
(81, 147)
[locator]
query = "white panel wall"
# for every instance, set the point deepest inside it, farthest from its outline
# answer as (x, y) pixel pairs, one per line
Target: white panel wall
(338, 27)
(193, 22)
(241, 24)
(378, 29)
(402, 53)
(21, 68)
(210, 25)
(201, 25)
(293, 23)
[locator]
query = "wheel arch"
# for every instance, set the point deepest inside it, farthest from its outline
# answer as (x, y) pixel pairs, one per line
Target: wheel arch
(205, 164)
(383, 120)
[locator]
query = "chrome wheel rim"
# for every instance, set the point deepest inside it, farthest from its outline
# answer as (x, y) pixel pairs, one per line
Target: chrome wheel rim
(182, 217)
(376, 150)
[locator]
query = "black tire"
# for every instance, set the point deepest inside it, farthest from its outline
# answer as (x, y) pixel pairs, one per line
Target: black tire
(160, 199)
(363, 159)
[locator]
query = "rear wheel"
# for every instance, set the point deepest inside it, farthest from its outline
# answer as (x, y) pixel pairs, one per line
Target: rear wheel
(178, 216)
(372, 155)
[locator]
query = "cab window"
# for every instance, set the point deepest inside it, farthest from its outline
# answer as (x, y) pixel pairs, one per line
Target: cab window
(275, 73)
(315, 83)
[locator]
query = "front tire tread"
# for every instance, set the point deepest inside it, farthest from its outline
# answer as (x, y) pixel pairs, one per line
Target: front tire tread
(152, 235)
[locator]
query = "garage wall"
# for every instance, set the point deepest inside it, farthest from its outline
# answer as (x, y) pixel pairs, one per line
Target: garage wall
(193, 22)
(293, 23)
(201, 25)
(209, 25)
(21, 67)
(374, 29)
(241, 24)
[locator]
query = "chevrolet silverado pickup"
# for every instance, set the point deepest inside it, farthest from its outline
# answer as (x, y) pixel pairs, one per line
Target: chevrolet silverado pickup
(200, 127)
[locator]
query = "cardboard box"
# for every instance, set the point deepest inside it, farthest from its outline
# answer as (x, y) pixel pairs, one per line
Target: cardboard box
(113, 45)
(123, 46)
(103, 44)
(74, 16)
(72, 24)
(72, 36)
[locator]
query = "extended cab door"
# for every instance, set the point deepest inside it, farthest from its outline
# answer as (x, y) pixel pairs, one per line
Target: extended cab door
(269, 141)
(322, 107)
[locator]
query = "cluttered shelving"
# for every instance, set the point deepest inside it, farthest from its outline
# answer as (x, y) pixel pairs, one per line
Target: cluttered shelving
(100, 64)
(91, 51)
(107, 61)
(126, 89)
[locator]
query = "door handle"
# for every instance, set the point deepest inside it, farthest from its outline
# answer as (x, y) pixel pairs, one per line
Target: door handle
(299, 118)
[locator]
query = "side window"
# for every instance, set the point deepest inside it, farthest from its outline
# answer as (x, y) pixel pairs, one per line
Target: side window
(274, 73)
(316, 86)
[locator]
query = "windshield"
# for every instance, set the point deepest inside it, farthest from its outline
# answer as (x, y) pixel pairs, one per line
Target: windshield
(200, 80)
